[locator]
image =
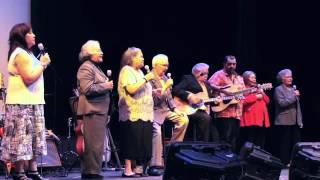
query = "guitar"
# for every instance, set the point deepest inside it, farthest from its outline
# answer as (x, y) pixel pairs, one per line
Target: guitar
(189, 108)
(79, 128)
(237, 96)
(80, 139)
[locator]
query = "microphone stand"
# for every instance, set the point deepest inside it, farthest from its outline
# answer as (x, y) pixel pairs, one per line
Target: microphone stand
(108, 133)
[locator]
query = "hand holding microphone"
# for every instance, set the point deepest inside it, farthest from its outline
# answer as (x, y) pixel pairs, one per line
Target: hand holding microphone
(169, 82)
(44, 57)
(109, 84)
(149, 76)
(297, 92)
(146, 67)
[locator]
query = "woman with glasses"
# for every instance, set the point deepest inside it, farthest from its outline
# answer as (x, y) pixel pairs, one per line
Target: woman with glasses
(255, 116)
(135, 113)
(288, 116)
(94, 88)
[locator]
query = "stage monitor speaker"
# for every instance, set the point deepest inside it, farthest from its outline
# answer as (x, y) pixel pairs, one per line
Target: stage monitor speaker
(52, 159)
(260, 164)
(201, 160)
(305, 161)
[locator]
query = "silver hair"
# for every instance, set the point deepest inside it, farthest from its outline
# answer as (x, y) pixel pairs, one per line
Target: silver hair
(198, 68)
(247, 74)
(159, 59)
(283, 73)
(86, 50)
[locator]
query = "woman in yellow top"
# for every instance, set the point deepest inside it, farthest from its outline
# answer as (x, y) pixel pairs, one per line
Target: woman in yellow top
(135, 112)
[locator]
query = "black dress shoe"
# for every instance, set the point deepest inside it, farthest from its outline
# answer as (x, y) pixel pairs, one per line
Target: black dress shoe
(91, 176)
(35, 175)
(154, 172)
(19, 176)
(133, 175)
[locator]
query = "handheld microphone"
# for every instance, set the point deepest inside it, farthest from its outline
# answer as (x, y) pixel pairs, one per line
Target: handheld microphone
(109, 73)
(169, 75)
(41, 48)
(294, 87)
(146, 67)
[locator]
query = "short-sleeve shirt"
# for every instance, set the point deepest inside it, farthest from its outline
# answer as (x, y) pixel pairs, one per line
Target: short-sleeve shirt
(221, 78)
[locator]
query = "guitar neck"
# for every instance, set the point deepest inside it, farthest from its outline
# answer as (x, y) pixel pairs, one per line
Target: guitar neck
(245, 91)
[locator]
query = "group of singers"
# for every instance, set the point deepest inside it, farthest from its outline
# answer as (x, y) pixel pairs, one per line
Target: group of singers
(145, 102)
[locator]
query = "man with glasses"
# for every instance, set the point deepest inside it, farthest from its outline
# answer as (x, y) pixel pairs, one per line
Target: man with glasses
(228, 120)
(193, 90)
(164, 108)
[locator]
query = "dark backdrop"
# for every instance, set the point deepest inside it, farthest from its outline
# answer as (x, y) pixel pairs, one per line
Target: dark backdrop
(265, 36)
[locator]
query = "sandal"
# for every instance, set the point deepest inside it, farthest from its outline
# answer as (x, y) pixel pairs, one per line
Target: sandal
(19, 176)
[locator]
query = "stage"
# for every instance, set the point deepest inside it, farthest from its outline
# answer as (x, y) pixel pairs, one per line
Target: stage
(116, 175)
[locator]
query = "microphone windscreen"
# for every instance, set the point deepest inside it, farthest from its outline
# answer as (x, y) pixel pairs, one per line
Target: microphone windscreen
(40, 46)
(294, 87)
(109, 73)
(169, 75)
(146, 67)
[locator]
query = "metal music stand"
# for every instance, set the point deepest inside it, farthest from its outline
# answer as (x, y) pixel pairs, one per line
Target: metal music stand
(69, 157)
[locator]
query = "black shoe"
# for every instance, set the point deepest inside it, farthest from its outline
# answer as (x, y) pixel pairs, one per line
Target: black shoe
(133, 175)
(154, 172)
(20, 176)
(91, 176)
(35, 175)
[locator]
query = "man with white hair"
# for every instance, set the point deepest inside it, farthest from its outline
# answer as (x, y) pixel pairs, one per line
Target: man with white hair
(94, 88)
(164, 108)
(194, 89)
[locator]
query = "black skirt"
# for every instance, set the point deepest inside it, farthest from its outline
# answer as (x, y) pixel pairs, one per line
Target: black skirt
(136, 140)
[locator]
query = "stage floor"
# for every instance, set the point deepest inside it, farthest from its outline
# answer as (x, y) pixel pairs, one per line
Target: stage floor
(116, 175)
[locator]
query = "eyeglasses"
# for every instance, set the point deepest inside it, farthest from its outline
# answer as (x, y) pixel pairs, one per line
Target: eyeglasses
(203, 74)
(167, 65)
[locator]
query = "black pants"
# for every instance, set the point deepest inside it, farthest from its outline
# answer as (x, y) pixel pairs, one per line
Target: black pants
(228, 129)
(253, 134)
(206, 130)
(288, 137)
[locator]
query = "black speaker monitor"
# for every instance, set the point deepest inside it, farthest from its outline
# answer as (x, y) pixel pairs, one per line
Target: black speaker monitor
(305, 161)
(201, 160)
(260, 164)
